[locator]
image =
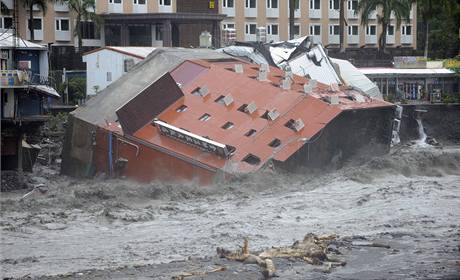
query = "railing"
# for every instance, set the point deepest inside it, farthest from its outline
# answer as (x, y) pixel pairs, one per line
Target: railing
(22, 78)
(14, 78)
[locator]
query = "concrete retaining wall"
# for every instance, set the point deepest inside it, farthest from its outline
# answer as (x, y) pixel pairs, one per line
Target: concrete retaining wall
(441, 121)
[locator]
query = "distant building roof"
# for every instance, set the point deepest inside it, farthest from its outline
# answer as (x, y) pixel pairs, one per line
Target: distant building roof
(411, 72)
(9, 41)
(139, 52)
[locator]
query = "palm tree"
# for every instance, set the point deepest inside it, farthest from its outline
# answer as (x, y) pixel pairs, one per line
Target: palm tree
(428, 9)
(83, 10)
(342, 26)
(292, 5)
(400, 9)
(41, 4)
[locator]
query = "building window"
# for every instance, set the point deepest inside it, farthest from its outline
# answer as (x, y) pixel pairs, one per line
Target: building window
(165, 2)
(334, 5)
(315, 29)
(250, 133)
(205, 117)
(115, 1)
(334, 30)
(89, 30)
(353, 30)
(315, 4)
(251, 159)
(228, 26)
(272, 4)
(181, 109)
(391, 30)
(407, 30)
(139, 2)
(228, 3)
(62, 24)
(228, 125)
(37, 24)
(352, 5)
(109, 76)
(6, 22)
(251, 28)
(275, 143)
(296, 30)
(272, 29)
(371, 30)
(251, 4)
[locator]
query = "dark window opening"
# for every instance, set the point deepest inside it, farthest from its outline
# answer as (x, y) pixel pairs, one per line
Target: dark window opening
(290, 124)
(230, 149)
(228, 125)
(242, 108)
(220, 99)
(205, 117)
(182, 108)
(275, 143)
(265, 115)
(89, 30)
(251, 159)
(200, 91)
(250, 133)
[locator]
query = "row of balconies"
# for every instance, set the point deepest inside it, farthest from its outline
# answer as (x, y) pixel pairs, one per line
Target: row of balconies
(352, 36)
(312, 13)
(139, 6)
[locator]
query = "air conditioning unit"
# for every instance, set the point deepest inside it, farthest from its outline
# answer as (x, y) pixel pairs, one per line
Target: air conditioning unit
(332, 99)
(298, 125)
(228, 100)
(273, 114)
(239, 68)
(251, 108)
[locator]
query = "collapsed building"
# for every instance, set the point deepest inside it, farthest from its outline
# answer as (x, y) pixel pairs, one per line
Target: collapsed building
(185, 114)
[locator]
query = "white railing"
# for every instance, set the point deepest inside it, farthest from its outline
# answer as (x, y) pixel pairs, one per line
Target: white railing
(314, 13)
(371, 39)
(60, 7)
(38, 35)
(230, 12)
(406, 39)
(391, 39)
(273, 13)
(334, 14)
(62, 35)
(353, 39)
(165, 9)
(250, 12)
(116, 7)
(140, 8)
(334, 39)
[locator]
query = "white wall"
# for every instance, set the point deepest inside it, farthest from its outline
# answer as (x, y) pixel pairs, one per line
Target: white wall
(43, 60)
(98, 64)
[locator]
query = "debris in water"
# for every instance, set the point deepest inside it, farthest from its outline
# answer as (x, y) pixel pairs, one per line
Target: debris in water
(312, 249)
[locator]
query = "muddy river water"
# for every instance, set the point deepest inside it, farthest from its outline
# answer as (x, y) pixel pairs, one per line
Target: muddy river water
(409, 200)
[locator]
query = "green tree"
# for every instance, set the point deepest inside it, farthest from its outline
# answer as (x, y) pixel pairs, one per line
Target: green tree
(29, 4)
(77, 88)
(429, 10)
(400, 9)
(84, 11)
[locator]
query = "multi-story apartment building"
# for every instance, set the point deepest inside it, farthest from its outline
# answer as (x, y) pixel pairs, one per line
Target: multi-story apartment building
(123, 23)
(180, 22)
(319, 18)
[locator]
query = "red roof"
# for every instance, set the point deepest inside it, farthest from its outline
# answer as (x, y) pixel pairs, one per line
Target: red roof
(221, 80)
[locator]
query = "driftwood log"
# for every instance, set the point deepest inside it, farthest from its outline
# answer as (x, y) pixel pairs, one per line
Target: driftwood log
(312, 249)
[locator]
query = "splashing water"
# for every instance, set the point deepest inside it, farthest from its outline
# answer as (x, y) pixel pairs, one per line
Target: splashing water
(422, 135)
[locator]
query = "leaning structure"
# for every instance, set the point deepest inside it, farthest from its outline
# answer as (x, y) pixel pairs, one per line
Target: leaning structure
(203, 115)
